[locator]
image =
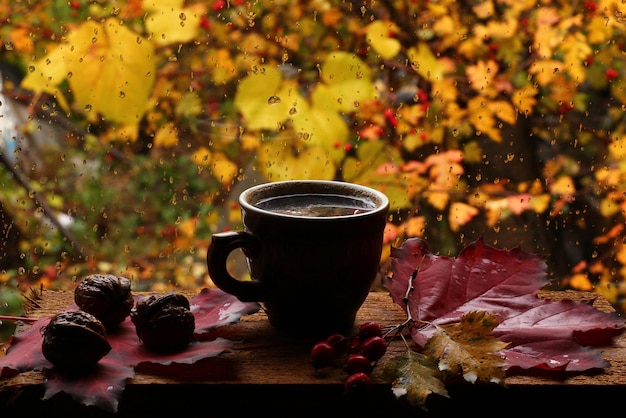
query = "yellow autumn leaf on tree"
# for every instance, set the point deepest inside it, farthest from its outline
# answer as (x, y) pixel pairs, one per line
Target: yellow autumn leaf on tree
(109, 68)
(202, 157)
(349, 80)
(378, 37)
(481, 77)
(540, 203)
(460, 214)
(484, 9)
(221, 65)
(576, 49)
(617, 148)
(544, 71)
(169, 22)
(223, 169)
(288, 157)
(563, 186)
(482, 118)
(524, 99)
(166, 136)
(424, 62)
(264, 98)
(321, 125)
(504, 111)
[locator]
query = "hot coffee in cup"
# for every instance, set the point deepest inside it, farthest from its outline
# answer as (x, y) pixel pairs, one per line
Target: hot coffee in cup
(313, 249)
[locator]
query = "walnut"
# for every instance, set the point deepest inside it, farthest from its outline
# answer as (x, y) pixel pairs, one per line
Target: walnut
(74, 341)
(164, 322)
(105, 296)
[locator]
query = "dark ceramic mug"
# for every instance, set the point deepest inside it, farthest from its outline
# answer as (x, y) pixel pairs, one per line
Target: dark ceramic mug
(313, 249)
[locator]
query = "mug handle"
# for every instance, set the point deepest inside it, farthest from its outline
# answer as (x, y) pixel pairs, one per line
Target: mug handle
(222, 244)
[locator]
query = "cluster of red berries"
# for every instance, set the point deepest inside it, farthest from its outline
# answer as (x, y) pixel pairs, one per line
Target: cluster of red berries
(359, 353)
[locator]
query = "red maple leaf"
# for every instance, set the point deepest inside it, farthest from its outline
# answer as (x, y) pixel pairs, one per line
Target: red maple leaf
(103, 387)
(542, 334)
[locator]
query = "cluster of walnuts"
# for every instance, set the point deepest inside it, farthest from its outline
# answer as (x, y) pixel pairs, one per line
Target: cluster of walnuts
(75, 340)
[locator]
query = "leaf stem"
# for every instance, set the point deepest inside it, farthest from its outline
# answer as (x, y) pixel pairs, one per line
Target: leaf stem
(17, 318)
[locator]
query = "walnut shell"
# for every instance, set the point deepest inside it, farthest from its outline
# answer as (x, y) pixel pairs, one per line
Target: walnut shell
(163, 322)
(74, 341)
(106, 296)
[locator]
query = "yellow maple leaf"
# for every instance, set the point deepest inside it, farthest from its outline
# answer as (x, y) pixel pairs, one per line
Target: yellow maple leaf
(349, 80)
(495, 210)
(576, 49)
(166, 136)
(617, 147)
(287, 157)
(481, 76)
(169, 22)
(503, 110)
(415, 226)
(540, 203)
(544, 71)
(482, 118)
(598, 31)
(484, 9)
(109, 68)
(223, 169)
(525, 99)
(460, 214)
(563, 186)
(321, 125)
(580, 281)
(21, 40)
(221, 65)
(547, 35)
(424, 62)
(202, 157)
(264, 98)
(378, 37)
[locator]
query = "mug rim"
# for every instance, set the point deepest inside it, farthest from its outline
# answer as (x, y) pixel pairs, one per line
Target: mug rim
(382, 201)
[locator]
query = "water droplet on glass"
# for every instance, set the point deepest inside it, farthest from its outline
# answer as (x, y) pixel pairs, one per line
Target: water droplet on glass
(122, 94)
(292, 111)
(273, 100)
(88, 108)
(31, 68)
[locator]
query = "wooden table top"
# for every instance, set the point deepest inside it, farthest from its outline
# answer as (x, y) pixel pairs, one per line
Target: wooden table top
(268, 365)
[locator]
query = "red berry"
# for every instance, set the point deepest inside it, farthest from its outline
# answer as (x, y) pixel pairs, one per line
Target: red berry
(322, 354)
(218, 5)
(370, 329)
(611, 73)
(339, 342)
(354, 345)
(357, 382)
(358, 363)
(374, 348)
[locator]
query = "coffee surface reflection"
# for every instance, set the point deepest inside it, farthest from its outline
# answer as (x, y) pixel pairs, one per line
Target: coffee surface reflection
(316, 205)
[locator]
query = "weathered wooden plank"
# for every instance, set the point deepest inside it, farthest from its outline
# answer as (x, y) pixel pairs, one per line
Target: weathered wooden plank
(271, 372)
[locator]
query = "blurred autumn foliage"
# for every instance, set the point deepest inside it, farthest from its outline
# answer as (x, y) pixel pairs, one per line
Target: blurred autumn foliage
(495, 118)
